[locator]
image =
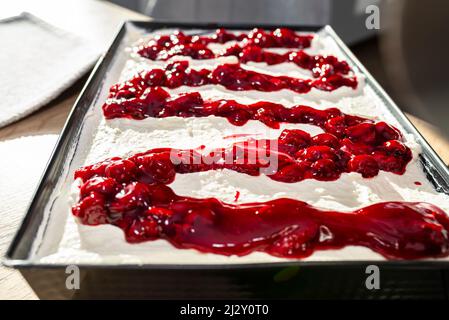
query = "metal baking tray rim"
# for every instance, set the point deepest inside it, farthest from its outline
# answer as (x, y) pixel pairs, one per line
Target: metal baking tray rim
(429, 158)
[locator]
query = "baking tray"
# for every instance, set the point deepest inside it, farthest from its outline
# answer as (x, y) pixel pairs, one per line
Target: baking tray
(297, 279)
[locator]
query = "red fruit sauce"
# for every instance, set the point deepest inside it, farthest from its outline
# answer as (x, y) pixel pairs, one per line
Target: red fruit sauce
(295, 154)
(231, 76)
(133, 193)
(156, 102)
(145, 208)
(357, 144)
(319, 65)
(280, 38)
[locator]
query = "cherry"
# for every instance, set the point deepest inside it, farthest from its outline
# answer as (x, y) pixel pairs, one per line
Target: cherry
(315, 153)
(309, 115)
(185, 103)
(290, 173)
(239, 117)
(335, 112)
(197, 218)
(158, 167)
(342, 159)
(158, 213)
(333, 82)
(174, 80)
(121, 170)
(355, 148)
(142, 230)
(154, 99)
(362, 132)
(285, 227)
(223, 36)
(177, 66)
(150, 51)
(293, 137)
(288, 38)
(324, 169)
(336, 126)
(87, 172)
(248, 53)
(91, 209)
(134, 195)
(114, 110)
(155, 77)
(259, 37)
(395, 148)
(295, 154)
(389, 163)
(364, 164)
(386, 132)
(160, 194)
(231, 76)
(105, 186)
(326, 139)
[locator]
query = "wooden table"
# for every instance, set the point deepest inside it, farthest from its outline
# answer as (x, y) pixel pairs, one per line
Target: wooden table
(99, 21)
(94, 20)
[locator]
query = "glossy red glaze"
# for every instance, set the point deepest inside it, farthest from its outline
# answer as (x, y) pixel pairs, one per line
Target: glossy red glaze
(283, 227)
(156, 102)
(133, 195)
(293, 157)
(319, 65)
(231, 76)
(197, 44)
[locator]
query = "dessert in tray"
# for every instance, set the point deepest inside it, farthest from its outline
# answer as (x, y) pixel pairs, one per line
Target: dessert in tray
(249, 146)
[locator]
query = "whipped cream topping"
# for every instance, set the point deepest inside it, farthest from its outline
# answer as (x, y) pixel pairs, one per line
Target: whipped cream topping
(123, 137)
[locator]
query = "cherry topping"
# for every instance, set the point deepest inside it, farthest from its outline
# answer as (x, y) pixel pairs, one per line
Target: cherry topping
(105, 186)
(364, 164)
(324, 169)
(143, 229)
(132, 196)
(326, 139)
(386, 132)
(362, 132)
(249, 48)
(395, 148)
(336, 126)
(290, 173)
(284, 227)
(91, 209)
(293, 140)
(122, 170)
(315, 153)
(95, 169)
(231, 76)
(157, 167)
(295, 152)
(156, 102)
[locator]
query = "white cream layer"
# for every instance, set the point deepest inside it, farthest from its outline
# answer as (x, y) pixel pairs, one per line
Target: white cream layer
(120, 137)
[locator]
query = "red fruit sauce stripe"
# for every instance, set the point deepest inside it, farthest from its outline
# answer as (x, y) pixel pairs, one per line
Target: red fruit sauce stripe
(319, 65)
(230, 76)
(284, 228)
(344, 133)
(279, 38)
(295, 154)
(158, 103)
